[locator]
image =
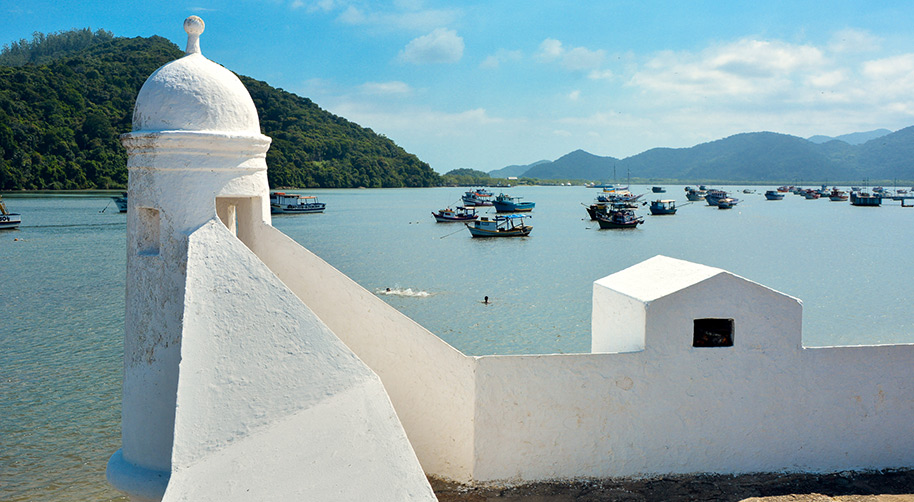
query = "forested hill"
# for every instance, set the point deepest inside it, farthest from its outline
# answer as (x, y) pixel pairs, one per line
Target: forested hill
(65, 98)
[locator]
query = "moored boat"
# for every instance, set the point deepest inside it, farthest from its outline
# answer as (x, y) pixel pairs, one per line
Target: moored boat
(508, 204)
(460, 214)
(619, 217)
(714, 196)
(661, 207)
(726, 203)
(479, 197)
(511, 225)
(837, 195)
(695, 194)
(658, 189)
(121, 202)
(862, 198)
(8, 220)
(288, 203)
(774, 195)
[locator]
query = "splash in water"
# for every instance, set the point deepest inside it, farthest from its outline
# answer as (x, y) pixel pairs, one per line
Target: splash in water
(403, 292)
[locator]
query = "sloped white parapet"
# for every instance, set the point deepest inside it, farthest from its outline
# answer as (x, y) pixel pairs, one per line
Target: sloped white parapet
(270, 404)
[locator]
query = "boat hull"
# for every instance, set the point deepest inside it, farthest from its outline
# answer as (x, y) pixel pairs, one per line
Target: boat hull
(298, 209)
(520, 231)
(510, 207)
(10, 221)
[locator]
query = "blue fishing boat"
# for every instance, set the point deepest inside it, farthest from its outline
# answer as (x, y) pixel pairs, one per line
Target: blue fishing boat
(774, 195)
(661, 207)
(507, 204)
(726, 203)
(695, 194)
(511, 225)
(863, 198)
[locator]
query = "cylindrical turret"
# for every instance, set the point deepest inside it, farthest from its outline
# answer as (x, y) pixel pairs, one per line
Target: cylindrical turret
(195, 154)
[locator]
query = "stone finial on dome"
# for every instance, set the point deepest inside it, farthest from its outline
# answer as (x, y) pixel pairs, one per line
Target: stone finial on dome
(193, 26)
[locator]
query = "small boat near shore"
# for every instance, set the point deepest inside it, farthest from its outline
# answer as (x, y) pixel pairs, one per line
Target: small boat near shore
(511, 225)
(508, 204)
(460, 214)
(8, 220)
(283, 203)
(775, 195)
(695, 194)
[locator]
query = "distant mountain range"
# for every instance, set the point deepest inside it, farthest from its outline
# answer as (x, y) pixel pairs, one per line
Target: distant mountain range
(747, 157)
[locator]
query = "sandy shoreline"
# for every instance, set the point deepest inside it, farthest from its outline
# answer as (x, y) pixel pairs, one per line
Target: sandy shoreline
(881, 486)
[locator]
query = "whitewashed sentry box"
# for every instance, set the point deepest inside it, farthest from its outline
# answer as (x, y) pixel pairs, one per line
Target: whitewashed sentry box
(233, 388)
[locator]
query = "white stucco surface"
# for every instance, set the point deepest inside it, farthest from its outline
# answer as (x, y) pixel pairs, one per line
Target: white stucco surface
(270, 404)
(766, 404)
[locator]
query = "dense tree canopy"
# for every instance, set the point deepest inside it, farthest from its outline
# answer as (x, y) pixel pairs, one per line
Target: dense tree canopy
(65, 98)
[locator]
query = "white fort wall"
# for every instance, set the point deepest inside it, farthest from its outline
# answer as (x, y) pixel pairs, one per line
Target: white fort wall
(764, 404)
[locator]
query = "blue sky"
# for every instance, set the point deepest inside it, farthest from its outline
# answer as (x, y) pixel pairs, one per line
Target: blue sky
(491, 83)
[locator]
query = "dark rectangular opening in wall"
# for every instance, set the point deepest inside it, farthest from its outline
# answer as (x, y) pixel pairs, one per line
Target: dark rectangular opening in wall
(713, 333)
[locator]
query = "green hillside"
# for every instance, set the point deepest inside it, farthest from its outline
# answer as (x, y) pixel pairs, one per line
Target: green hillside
(66, 97)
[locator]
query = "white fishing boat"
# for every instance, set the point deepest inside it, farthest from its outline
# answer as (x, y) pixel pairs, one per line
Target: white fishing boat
(290, 203)
(8, 220)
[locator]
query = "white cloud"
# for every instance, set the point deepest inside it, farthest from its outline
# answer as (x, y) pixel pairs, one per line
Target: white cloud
(386, 88)
(601, 75)
(574, 95)
(405, 16)
(575, 59)
(501, 56)
(746, 69)
(440, 46)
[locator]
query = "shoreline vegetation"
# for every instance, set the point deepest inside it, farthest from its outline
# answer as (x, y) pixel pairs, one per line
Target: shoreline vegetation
(869, 486)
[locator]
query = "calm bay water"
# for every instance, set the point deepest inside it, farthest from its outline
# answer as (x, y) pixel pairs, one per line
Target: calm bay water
(63, 289)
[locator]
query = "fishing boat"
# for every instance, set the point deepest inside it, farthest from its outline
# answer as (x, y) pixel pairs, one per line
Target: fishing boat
(288, 203)
(460, 214)
(695, 194)
(726, 203)
(507, 204)
(661, 207)
(510, 225)
(714, 196)
(8, 220)
(121, 202)
(863, 198)
(837, 195)
(774, 195)
(480, 197)
(619, 217)
(658, 189)
(811, 194)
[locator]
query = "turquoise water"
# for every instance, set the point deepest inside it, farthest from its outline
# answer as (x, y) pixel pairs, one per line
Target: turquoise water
(63, 289)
